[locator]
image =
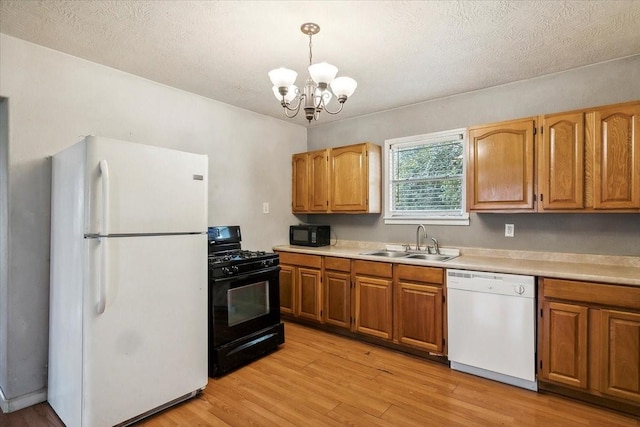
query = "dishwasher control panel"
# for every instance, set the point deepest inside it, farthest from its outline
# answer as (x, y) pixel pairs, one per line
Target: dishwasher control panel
(497, 283)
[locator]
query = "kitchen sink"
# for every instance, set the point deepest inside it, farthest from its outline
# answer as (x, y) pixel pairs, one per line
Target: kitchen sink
(431, 257)
(402, 254)
(388, 254)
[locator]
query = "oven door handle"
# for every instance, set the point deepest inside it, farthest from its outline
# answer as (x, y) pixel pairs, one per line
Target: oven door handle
(248, 275)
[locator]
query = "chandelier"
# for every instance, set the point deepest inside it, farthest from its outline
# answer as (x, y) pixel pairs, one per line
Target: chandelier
(316, 94)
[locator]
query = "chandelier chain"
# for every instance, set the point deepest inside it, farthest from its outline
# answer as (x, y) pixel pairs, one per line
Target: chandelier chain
(310, 54)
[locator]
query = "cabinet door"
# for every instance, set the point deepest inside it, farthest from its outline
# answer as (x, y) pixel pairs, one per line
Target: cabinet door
(500, 167)
(319, 181)
(616, 180)
(337, 298)
(564, 342)
(349, 178)
(621, 354)
(309, 294)
(420, 316)
(300, 183)
(561, 167)
(287, 289)
(373, 306)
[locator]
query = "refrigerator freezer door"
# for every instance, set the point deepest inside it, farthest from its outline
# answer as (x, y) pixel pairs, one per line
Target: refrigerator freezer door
(149, 346)
(142, 189)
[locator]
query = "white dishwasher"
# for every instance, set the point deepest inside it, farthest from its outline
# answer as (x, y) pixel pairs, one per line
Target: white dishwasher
(492, 326)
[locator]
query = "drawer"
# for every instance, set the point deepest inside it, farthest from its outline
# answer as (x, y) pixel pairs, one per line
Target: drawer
(313, 261)
(594, 293)
(338, 264)
(420, 274)
(372, 268)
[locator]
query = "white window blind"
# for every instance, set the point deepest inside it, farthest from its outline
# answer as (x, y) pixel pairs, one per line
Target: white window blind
(425, 179)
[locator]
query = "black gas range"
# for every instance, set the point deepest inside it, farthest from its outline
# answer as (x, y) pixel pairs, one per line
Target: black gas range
(244, 302)
(239, 261)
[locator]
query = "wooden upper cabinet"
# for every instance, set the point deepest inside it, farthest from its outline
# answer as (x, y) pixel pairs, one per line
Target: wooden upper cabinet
(355, 179)
(310, 183)
(341, 180)
(300, 183)
(561, 166)
(500, 166)
(319, 181)
(616, 149)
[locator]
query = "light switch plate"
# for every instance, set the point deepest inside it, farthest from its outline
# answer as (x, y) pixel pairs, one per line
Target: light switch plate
(265, 207)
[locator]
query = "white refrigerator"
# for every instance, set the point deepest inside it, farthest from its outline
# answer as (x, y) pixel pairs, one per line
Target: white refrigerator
(128, 295)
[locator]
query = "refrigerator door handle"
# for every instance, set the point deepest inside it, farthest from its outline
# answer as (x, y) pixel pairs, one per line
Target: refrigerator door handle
(104, 171)
(102, 289)
(102, 302)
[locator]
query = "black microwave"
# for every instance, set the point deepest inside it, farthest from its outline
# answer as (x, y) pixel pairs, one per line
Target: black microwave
(309, 235)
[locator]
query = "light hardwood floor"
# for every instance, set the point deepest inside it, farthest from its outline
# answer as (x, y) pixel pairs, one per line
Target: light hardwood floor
(319, 379)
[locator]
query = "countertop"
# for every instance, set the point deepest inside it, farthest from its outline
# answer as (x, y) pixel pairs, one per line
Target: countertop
(621, 270)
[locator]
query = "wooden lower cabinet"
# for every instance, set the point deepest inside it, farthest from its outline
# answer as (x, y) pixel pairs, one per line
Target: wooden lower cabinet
(309, 294)
(419, 307)
(401, 305)
(373, 306)
(589, 344)
(337, 292)
(301, 286)
(287, 289)
(565, 338)
(373, 299)
(620, 354)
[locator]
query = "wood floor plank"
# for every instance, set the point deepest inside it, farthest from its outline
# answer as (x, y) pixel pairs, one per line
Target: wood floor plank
(354, 417)
(319, 379)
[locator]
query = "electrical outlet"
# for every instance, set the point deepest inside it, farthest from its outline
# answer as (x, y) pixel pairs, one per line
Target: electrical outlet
(509, 230)
(265, 207)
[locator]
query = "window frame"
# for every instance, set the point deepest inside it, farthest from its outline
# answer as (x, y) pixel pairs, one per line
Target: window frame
(391, 217)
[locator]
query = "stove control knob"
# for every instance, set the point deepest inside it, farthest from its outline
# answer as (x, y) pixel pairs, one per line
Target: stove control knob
(225, 270)
(235, 268)
(267, 263)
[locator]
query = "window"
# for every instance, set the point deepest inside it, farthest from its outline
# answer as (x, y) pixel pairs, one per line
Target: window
(424, 179)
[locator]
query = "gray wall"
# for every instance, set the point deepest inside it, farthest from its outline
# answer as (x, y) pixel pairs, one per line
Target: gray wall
(53, 100)
(4, 241)
(601, 84)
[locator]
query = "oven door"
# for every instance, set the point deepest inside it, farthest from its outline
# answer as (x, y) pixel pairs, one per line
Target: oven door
(242, 305)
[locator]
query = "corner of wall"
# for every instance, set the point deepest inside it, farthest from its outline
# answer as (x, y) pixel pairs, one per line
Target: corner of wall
(21, 402)
(4, 245)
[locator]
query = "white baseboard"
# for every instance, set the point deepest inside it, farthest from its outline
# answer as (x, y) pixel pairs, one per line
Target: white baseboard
(20, 402)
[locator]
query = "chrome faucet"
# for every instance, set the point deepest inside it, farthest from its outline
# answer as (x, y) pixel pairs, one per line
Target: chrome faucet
(418, 236)
(436, 247)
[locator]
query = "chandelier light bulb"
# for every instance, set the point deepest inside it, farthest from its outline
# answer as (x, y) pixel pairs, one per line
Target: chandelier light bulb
(323, 72)
(282, 77)
(343, 87)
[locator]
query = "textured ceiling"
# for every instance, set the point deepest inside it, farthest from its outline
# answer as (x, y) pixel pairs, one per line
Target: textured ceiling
(400, 52)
